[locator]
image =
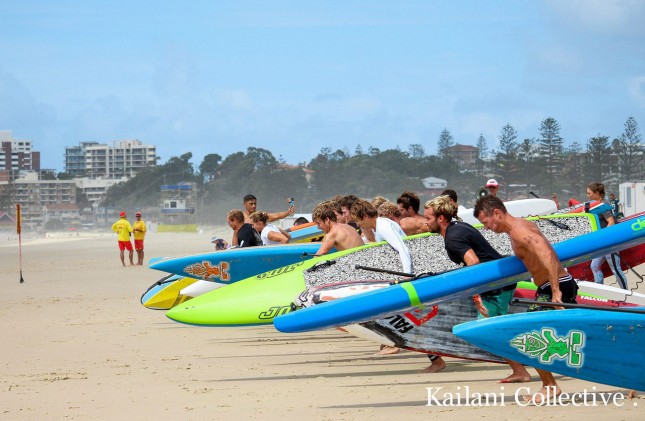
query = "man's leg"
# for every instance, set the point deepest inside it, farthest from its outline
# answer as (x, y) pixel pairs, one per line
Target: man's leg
(596, 263)
(497, 305)
(437, 364)
(550, 388)
(613, 260)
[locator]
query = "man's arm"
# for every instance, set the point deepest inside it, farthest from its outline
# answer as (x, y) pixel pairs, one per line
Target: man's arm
(394, 240)
(279, 236)
(470, 258)
(281, 215)
(327, 244)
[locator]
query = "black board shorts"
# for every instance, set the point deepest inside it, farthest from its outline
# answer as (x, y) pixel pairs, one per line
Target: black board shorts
(568, 288)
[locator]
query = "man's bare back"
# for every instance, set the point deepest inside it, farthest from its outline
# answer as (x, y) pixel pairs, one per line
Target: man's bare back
(341, 236)
(414, 225)
(536, 252)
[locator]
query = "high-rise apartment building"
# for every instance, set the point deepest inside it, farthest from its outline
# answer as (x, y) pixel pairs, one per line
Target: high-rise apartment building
(124, 159)
(17, 155)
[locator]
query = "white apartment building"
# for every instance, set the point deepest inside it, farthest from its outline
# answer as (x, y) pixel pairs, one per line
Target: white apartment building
(124, 159)
(95, 188)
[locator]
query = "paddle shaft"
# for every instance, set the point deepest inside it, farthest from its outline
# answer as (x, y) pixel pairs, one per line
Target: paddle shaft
(571, 305)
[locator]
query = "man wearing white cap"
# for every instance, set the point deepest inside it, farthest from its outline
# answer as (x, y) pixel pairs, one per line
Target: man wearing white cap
(492, 186)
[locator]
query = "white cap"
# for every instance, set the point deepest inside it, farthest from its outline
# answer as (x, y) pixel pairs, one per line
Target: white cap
(492, 182)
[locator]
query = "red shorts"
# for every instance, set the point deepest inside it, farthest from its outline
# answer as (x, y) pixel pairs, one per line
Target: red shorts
(125, 245)
(138, 244)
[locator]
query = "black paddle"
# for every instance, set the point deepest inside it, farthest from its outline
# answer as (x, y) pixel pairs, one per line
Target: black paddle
(412, 276)
(516, 301)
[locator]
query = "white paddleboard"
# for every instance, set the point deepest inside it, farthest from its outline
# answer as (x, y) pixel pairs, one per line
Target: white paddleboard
(612, 293)
(200, 287)
(519, 208)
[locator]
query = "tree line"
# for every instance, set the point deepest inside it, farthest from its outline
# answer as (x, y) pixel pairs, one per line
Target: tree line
(541, 164)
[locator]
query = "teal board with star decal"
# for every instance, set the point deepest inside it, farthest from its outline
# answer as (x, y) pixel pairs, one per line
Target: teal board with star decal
(600, 346)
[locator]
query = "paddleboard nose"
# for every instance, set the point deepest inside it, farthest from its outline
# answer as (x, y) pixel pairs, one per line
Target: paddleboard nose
(253, 301)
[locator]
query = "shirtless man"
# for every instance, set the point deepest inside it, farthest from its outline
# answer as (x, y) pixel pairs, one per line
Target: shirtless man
(536, 252)
(337, 235)
(411, 222)
(251, 205)
(466, 245)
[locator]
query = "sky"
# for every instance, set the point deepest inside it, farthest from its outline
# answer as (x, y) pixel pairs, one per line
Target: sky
(293, 77)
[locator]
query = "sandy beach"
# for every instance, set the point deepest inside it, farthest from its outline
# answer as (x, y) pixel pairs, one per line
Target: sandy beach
(77, 344)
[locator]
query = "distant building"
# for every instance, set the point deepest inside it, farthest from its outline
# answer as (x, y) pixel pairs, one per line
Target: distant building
(65, 212)
(178, 207)
(16, 156)
(464, 155)
(95, 188)
(33, 194)
(124, 159)
(434, 183)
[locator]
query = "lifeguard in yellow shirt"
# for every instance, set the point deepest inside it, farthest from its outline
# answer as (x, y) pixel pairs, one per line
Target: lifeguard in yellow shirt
(124, 230)
(139, 229)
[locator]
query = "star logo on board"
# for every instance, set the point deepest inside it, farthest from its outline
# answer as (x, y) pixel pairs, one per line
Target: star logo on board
(545, 346)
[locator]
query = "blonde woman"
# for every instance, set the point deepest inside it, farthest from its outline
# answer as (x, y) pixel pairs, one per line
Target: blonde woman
(269, 233)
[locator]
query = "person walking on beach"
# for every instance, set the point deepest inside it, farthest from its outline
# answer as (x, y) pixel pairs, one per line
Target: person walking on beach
(554, 284)
(615, 207)
(466, 245)
(596, 192)
(382, 228)
(124, 230)
(139, 230)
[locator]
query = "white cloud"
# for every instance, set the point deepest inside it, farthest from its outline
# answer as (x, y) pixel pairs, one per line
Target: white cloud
(636, 89)
(613, 16)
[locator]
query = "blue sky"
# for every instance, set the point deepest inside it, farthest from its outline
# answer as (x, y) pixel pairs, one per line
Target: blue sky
(292, 76)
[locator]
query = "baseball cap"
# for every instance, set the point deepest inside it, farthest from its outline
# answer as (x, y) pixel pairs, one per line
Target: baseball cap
(492, 183)
(137, 214)
(122, 214)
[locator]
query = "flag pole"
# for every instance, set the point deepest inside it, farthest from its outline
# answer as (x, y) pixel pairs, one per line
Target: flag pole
(19, 231)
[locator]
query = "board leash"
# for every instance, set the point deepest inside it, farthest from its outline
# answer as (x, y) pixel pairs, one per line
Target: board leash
(523, 301)
(631, 290)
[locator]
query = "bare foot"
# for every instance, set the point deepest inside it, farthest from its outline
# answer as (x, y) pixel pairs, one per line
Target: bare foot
(546, 394)
(436, 366)
(388, 350)
(632, 394)
(516, 378)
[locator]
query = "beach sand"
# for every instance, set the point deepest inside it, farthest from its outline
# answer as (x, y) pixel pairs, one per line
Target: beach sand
(77, 344)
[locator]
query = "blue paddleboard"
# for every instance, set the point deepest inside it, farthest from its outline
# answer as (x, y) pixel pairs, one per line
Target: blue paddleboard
(600, 346)
(232, 265)
(457, 284)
